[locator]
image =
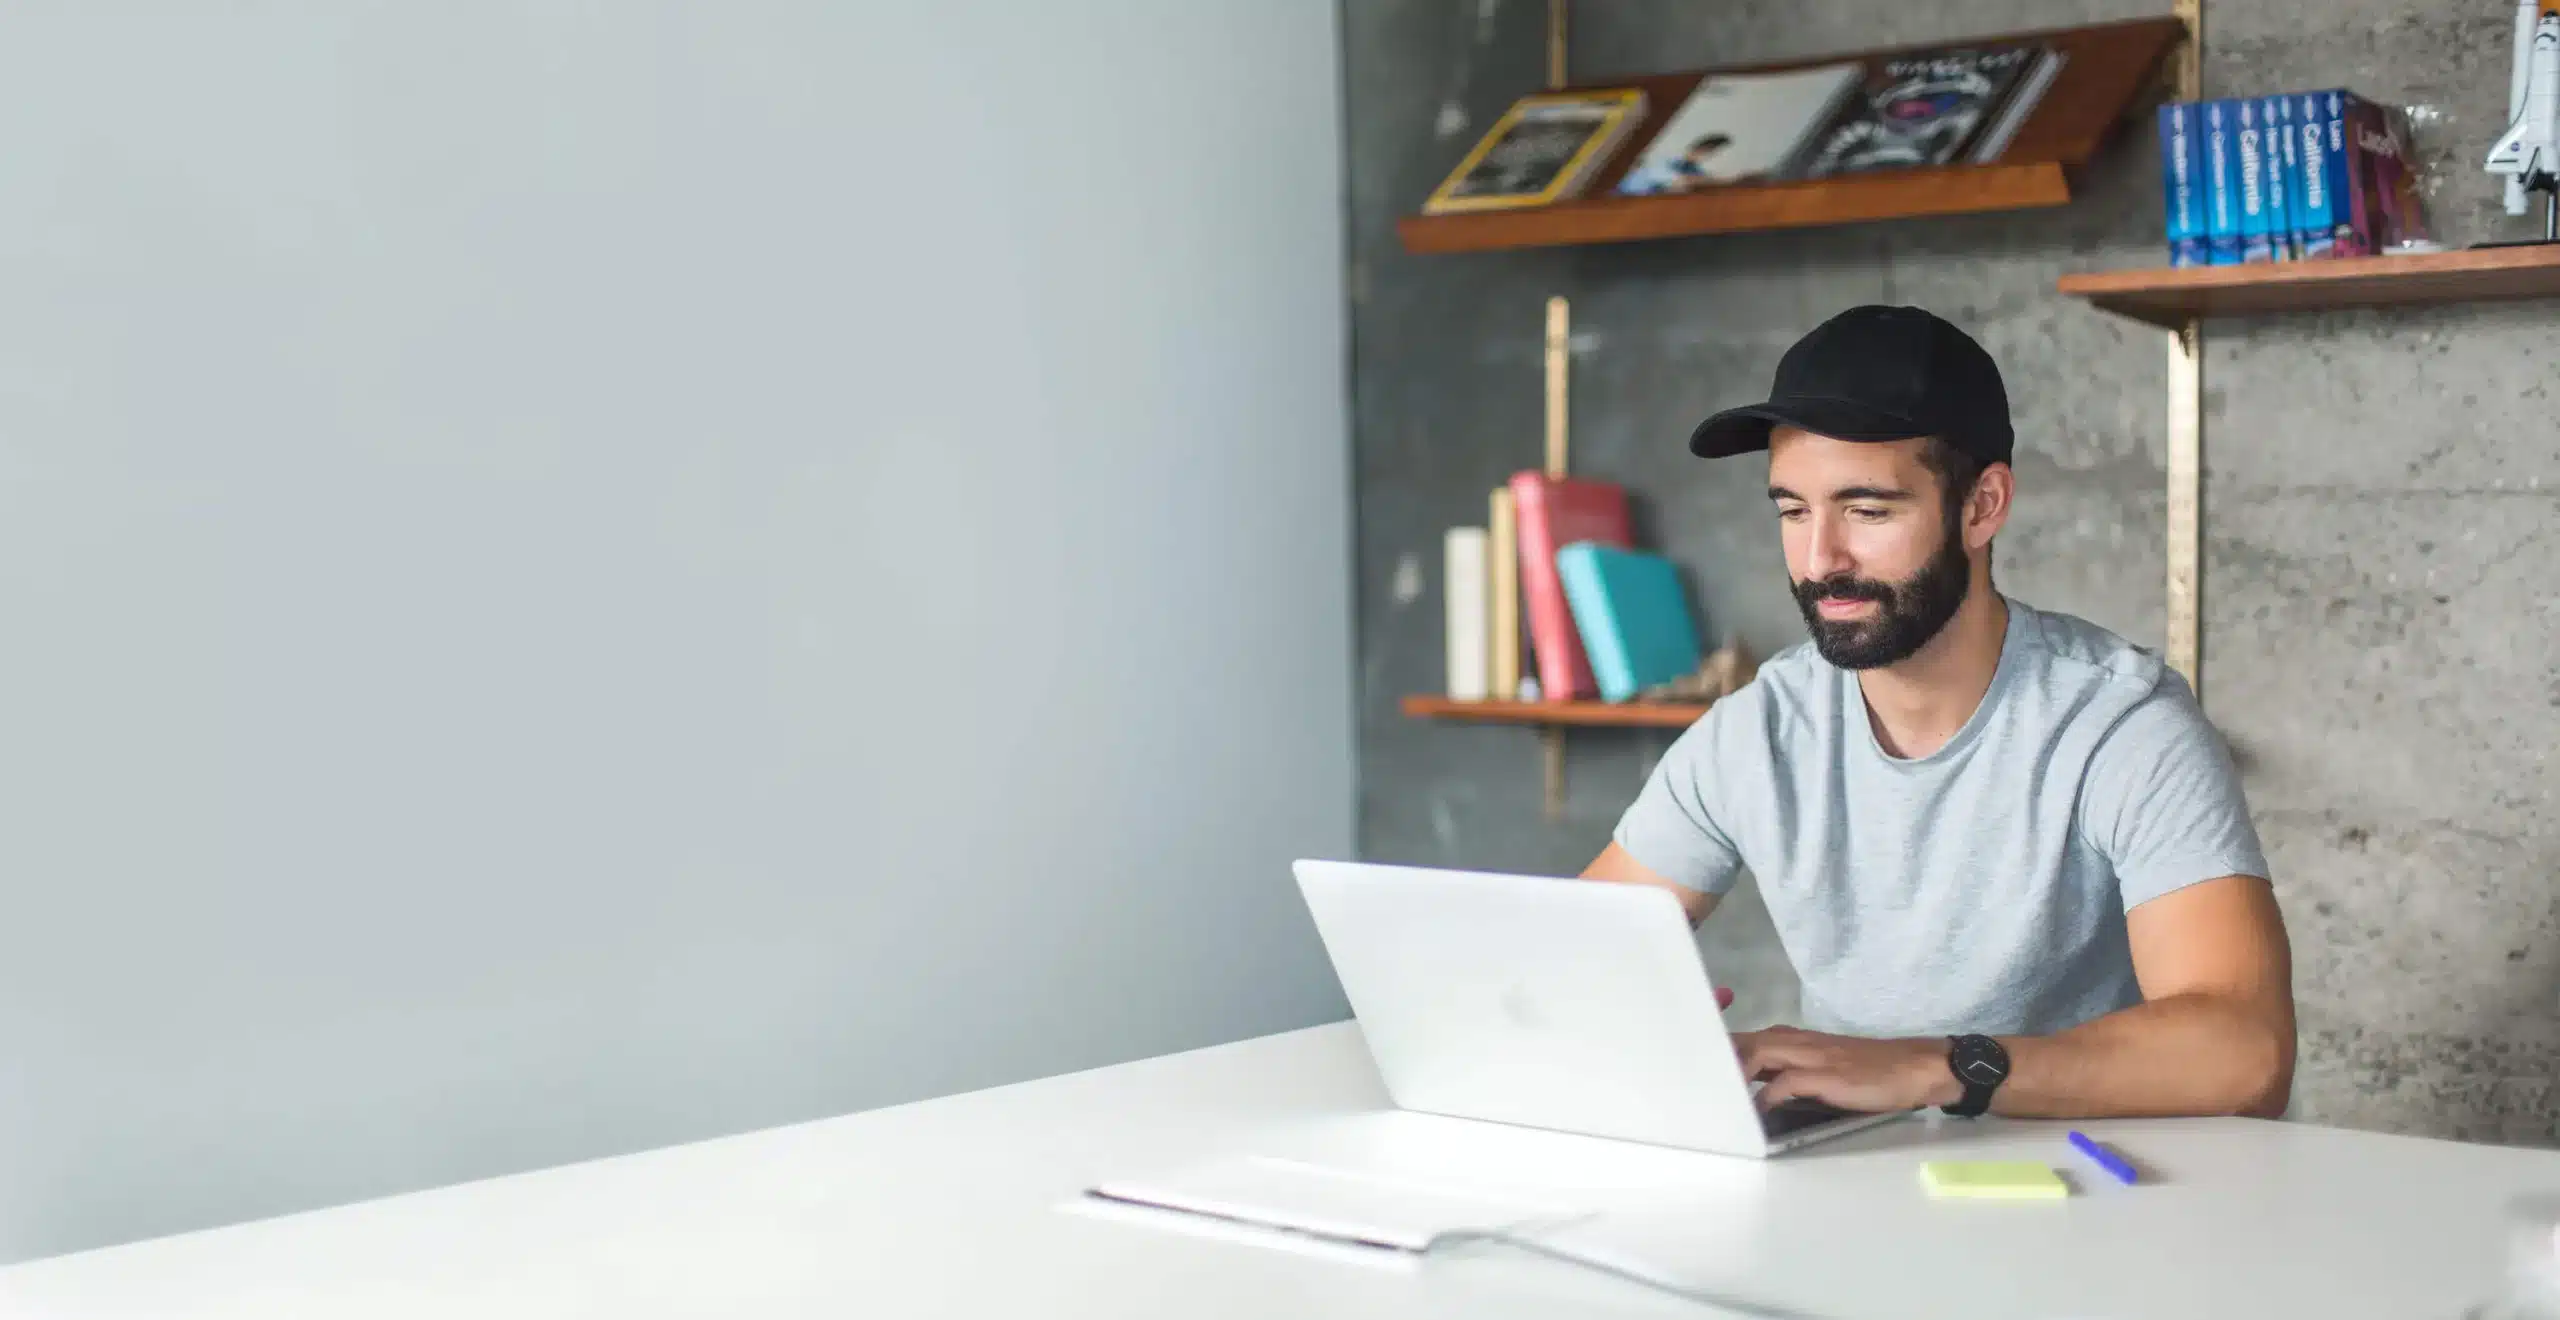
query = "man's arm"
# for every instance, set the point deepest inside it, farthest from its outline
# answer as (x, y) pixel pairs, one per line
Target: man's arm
(2213, 1035)
(1617, 864)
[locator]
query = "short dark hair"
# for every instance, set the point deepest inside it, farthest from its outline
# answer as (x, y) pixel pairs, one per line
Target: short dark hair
(1956, 471)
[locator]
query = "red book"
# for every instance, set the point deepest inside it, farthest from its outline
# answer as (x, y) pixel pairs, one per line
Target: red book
(1554, 514)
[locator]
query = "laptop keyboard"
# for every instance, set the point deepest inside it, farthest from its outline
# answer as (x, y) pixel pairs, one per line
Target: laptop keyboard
(1796, 1115)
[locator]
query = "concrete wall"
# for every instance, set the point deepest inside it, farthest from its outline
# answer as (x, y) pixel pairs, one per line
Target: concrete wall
(2379, 636)
(586, 576)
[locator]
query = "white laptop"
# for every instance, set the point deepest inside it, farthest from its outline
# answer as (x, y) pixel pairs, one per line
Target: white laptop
(1576, 1005)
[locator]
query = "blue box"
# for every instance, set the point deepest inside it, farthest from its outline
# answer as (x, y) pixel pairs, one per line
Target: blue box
(2320, 126)
(2249, 143)
(2222, 184)
(2284, 162)
(2182, 182)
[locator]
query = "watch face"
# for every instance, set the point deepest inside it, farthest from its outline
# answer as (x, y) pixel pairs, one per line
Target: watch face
(1980, 1061)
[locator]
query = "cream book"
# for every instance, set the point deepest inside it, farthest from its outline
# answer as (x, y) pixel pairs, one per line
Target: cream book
(1463, 587)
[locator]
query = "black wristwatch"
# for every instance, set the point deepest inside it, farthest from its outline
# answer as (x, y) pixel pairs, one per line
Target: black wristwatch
(1981, 1065)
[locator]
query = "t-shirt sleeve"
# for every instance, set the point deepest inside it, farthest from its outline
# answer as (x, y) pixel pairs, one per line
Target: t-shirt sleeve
(1669, 827)
(2162, 801)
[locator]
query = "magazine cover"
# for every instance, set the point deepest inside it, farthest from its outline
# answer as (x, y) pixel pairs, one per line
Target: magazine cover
(1544, 148)
(1741, 127)
(1922, 110)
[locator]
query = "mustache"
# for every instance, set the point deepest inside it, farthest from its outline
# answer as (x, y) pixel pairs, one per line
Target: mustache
(1843, 588)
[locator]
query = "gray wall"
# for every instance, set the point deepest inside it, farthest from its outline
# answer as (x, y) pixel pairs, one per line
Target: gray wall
(2378, 629)
(586, 576)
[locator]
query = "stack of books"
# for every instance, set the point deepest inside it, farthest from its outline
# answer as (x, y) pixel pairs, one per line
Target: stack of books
(2301, 176)
(1601, 619)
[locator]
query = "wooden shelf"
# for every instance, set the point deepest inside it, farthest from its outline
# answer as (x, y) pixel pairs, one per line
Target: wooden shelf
(2108, 67)
(1629, 714)
(2170, 298)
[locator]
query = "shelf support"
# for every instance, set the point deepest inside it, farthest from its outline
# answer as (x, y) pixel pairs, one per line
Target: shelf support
(1559, 360)
(2185, 601)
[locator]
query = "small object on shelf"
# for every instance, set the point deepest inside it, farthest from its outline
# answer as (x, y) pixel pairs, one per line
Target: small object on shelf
(1554, 512)
(2529, 153)
(1632, 615)
(1724, 672)
(1993, 143)
(2261, 206)
(1741, 128)
(1544, 148)
(2284, 167)
(1502, 574)
(2320, 180)
(2182, 182)
(1925, 109)
(2382, 180)
(1465, 600)
(2221, 184)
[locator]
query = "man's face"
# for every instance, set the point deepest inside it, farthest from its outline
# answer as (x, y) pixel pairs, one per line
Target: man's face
(1877, 565)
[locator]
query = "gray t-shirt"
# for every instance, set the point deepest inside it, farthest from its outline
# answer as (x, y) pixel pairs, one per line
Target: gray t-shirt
(1981, 888)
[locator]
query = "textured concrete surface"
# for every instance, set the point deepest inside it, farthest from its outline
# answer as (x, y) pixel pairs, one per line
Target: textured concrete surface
(2376, 511)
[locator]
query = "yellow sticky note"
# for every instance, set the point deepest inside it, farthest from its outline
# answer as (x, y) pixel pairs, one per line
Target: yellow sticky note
(2005, 1180)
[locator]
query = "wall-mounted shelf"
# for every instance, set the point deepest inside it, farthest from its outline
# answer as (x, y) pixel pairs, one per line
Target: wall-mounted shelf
(2171, 298)
(1609, 714)
(2108, 67)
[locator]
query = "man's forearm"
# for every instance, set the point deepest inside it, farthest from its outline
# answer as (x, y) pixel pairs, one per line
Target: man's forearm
(2177, 1055)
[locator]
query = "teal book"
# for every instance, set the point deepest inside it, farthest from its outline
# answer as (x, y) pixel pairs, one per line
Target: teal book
(1632, 614)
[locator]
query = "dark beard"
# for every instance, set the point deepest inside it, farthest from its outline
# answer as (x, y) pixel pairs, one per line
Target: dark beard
(1908, 613)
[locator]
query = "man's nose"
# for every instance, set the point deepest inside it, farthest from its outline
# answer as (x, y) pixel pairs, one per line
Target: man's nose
(1827, 554)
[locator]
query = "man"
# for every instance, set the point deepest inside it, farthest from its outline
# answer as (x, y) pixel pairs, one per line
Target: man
(2007, 855)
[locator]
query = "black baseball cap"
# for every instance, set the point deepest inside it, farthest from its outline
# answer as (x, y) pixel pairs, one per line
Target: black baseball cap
(1876, 373)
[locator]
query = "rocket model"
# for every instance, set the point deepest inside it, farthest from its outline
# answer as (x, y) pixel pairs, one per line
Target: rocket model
(2529, 154)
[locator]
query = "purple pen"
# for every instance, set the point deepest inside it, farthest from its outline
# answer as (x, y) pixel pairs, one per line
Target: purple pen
(2104, 1158)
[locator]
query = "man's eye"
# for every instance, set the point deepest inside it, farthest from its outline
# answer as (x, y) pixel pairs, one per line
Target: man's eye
(1866, 513)
(1792, 515)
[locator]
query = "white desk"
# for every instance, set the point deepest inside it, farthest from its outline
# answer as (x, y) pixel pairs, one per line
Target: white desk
(948, 1208)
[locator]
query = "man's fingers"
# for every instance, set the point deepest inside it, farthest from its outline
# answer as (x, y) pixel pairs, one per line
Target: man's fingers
(1768, 1051)
(1791, 1085)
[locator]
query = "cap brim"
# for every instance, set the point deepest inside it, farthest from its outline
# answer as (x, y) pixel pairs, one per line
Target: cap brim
(1742, 430)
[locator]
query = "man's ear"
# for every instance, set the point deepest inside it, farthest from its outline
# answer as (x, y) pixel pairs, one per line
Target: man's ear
(1986, 510)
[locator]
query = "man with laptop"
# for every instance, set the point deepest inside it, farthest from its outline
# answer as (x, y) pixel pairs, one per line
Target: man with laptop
(2005, 852)
(2007, 855)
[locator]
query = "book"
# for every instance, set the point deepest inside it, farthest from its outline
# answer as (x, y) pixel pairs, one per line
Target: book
(1545, 148)
(1632, 616)
(2182, 182)
(1741, 127)
(2320, 180)
(1993, 142)
(2221, 185)
(1554, 512)
(1464, 596)
(2249, 142)
(2382, 182)
(1923, 109)
(2284, 166)
(1502, 551)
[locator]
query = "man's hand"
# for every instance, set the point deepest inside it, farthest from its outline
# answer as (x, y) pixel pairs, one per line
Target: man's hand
(1846, 1072)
